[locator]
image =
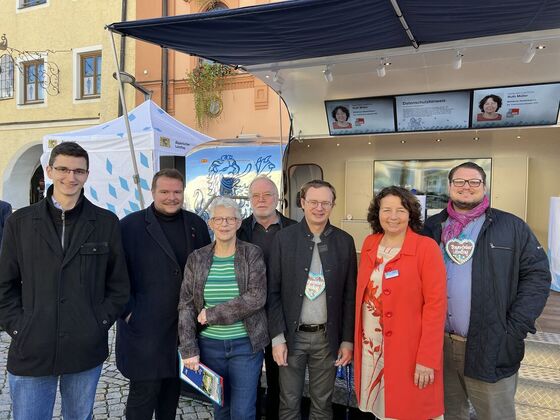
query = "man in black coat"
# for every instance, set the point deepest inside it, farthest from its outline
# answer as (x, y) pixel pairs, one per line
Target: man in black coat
(498, 280)
(260, 228)
(5, 211)
(311, 298)
(63, 283)
(157, 242)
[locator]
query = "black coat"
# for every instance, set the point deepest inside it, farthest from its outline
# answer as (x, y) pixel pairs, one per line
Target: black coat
(146, 346)
(510, 286)
(289, 264)
(245, 232)
(58, 306)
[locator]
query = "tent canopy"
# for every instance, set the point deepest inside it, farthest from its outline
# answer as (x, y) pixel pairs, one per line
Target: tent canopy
(301, 29)
(154, 132)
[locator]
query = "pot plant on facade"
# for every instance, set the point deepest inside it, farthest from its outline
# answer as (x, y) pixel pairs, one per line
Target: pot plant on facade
(207, 82)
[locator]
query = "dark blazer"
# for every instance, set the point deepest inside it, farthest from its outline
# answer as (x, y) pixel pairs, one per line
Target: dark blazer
(510, 286)
(146, 346)
(245, 232)
(5, 211)
(58, 306)
(250, 273)
(289, 264)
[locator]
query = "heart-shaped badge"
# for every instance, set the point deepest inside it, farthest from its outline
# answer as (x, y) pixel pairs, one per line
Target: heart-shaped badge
(460, 250)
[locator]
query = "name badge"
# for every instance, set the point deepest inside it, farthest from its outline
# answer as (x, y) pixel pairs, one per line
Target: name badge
(391, 274)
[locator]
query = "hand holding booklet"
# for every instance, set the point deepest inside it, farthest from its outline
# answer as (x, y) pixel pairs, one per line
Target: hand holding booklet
(205, 380)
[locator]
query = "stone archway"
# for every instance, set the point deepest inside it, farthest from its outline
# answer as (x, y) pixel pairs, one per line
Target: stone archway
(18, 175)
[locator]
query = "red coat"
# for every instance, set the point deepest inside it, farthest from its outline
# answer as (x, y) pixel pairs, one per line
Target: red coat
(414, 311)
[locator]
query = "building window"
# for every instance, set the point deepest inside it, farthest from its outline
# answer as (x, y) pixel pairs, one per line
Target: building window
(33, 78)
(90, 75)
(6, 77)
(30, 3)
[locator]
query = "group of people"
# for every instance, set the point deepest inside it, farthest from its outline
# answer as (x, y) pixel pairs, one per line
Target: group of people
(433, 317)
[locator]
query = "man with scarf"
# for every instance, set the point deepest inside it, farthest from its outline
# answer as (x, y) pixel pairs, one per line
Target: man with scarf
(498, 281)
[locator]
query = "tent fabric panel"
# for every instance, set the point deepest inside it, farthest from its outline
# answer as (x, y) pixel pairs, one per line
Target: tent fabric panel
(302, 29)
(444, 20)
(283, 31)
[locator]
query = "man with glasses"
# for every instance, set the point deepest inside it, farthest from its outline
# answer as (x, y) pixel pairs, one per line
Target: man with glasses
(311, 295)
(260, 228)
(63, 283)
(157, 242)
(498, 281)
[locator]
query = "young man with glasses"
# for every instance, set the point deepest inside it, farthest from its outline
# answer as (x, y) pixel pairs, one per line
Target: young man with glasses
(260, 228)
(63, 283)
(311, 295)
(498, 281)
(157, 242)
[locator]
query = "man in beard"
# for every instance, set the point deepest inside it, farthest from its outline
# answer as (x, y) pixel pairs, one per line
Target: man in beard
(498, 280)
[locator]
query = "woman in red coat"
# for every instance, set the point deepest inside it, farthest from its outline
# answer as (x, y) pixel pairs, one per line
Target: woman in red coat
(400, 313)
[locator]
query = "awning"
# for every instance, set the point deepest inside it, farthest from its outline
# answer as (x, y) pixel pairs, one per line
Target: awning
(300, 29)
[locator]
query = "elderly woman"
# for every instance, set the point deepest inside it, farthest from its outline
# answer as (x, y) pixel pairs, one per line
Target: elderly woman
(222, 322)
(400, 313)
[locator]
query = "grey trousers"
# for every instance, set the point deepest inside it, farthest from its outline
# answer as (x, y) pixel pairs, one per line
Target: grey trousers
(311, 350)
(491, 401)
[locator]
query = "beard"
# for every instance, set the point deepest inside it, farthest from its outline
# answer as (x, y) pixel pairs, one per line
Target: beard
(462, 205)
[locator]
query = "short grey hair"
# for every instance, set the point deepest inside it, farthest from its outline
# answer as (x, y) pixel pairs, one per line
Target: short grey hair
(226, 202)
(264, 177)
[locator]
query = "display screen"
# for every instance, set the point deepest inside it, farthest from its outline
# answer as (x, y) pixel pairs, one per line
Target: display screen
(360, 116)
(516, 106)
(433, 111)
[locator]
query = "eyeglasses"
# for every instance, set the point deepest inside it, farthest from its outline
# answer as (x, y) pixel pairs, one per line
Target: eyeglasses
(264, 196)
(220, 220)
(315, 203)
(472, 182)
(66, 171)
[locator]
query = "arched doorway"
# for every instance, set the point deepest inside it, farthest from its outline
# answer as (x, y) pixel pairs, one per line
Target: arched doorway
(37, 186)
(19, 173)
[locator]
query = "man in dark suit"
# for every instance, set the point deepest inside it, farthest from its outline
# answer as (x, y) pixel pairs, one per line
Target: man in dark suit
(5, 211)
(157, 242)
(311, 297)
(260, 228)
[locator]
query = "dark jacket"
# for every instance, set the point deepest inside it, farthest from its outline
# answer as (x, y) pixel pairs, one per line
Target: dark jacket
(59, 305)
(146, 346)
(250, 273)
(510, 286)
(289, 264)
(5, 211)
(245, 232)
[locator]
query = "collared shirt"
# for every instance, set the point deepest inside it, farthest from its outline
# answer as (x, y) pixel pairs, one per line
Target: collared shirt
(459, 282)
(263, 237)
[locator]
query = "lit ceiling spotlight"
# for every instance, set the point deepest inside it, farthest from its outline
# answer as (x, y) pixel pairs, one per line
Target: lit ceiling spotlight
(458, 60)
(517, 137)
(308, 145)
(327, 73)
(337, 144)
(403, 141)
(438, 140)
(476, 138)
(369, 142)
(531, 51)
(381, 69)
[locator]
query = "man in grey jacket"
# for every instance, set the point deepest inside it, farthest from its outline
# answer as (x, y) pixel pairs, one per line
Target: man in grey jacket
(311, 297)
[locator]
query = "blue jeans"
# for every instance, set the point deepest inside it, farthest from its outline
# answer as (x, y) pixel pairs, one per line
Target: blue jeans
(235, 361)
(33, 396)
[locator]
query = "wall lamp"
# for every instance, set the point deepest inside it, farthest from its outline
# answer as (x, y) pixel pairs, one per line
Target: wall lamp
(131, 80)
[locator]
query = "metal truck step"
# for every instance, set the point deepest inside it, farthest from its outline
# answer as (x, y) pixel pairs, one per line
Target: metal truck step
(542, 349)
(539, 387)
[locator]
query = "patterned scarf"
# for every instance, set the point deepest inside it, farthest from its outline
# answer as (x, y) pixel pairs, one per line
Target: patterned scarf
(458, 221)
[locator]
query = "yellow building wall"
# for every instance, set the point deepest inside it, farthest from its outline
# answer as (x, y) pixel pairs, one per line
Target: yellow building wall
(59, 27)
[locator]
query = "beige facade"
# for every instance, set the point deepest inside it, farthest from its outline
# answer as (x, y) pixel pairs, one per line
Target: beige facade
(59, 33)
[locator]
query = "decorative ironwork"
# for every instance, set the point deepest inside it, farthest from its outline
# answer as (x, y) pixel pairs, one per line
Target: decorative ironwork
(49, 76)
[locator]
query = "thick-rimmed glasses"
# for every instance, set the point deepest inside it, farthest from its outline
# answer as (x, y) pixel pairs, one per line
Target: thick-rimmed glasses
(314, 204)
(220, 220)
(265, 196)
(474, 183)
(67, 171)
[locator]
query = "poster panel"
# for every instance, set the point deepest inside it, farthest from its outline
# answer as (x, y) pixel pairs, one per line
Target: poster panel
(360, 116)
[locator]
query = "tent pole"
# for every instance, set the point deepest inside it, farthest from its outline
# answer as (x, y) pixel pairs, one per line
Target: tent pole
(136, 176)
(281, 157)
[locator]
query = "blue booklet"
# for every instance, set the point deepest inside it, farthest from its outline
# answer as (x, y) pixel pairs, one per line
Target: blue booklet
(204, 380)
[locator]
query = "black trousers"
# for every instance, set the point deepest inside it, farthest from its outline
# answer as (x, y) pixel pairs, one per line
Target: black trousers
(272, 398)
(146, 397)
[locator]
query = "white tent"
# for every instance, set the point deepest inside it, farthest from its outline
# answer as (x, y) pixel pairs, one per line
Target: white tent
(110, 184)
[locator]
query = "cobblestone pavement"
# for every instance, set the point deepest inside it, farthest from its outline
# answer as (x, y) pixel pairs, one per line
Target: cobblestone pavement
(111, 395)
